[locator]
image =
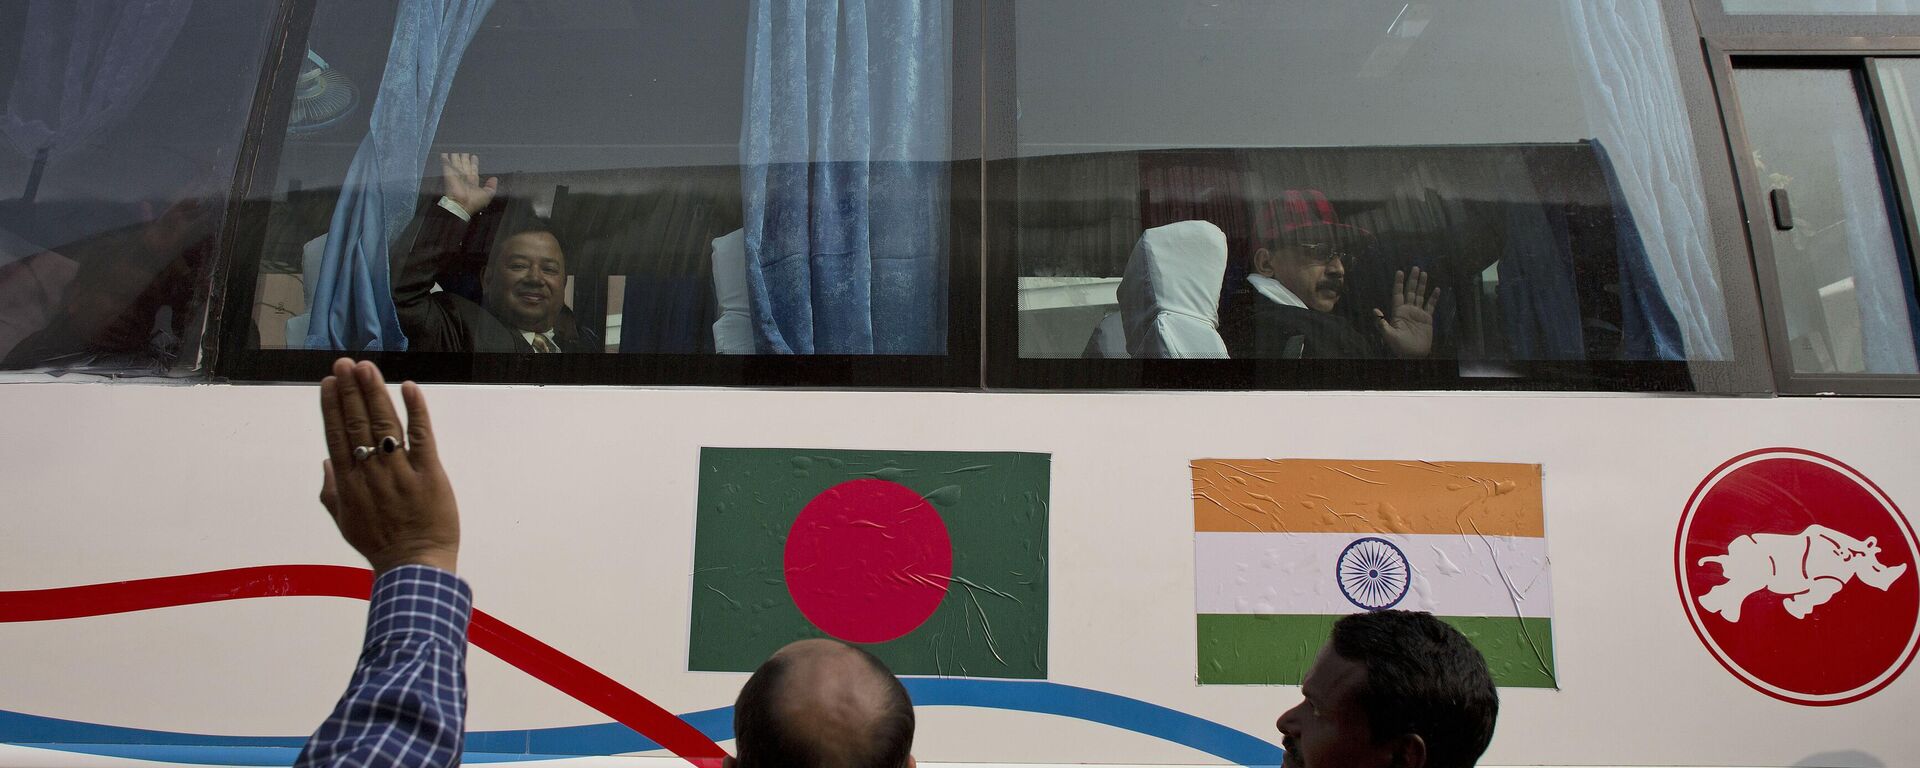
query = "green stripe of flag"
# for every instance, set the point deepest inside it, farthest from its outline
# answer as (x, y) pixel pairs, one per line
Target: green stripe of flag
(1276, 649)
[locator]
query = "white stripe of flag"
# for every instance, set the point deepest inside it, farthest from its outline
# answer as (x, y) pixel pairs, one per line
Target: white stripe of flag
(1293, 573)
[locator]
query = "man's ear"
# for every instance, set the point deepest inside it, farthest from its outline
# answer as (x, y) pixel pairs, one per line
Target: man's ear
(1409, 751)
(910, 763)
(729, 762)
(1263, 262)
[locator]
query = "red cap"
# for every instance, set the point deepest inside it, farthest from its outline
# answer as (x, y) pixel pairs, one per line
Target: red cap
(1299, 209)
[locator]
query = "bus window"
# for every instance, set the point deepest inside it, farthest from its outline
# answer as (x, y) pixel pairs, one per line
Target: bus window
(1822, 7)
(642, 188)
(1352, 195)
(1842, 272)
(1897, 87)
(117, 152)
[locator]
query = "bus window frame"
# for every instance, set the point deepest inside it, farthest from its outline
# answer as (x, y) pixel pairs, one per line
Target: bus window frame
(1716, 24)
(1851, 54)
(1745, 372)
(234, 286)
(982, 349)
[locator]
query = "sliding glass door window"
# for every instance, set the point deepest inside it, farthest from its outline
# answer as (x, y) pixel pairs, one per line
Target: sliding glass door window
(1827, 151)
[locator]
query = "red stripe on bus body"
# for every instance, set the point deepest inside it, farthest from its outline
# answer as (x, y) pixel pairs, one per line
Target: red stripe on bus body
(526, 653)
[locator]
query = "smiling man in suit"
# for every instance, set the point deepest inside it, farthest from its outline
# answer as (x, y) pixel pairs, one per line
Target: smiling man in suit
(522, 288)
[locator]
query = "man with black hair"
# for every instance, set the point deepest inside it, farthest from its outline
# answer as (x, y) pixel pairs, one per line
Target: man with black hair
(522, 287)
(1392, 689)
(822, 703)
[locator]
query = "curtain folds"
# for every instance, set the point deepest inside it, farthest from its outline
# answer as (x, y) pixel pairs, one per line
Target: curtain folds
(1649, 322)
(1538, 294)
(1634, 106)
(83, 66)
(353, 299)
(844, 145)
(1879, 283)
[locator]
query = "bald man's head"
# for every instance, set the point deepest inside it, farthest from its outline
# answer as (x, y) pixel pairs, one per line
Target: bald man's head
(824, 704)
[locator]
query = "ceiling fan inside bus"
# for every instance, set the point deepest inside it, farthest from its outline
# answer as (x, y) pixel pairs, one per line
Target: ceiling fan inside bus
(322, 97)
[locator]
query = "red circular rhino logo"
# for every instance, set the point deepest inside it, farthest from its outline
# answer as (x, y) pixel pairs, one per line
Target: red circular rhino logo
(1798, 575)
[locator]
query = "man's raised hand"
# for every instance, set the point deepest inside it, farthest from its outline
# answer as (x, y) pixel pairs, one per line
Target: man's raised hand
(1409, 331)
(460, 176)
(396, 506)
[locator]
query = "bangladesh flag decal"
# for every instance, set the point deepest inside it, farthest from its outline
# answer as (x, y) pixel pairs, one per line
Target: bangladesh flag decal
(936, 562)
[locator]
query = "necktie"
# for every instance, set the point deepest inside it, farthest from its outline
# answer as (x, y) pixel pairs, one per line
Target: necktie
(540, 344)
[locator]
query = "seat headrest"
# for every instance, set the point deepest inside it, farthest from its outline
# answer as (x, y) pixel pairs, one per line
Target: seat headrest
(733, 330)
(1109, 339)
(311, 255)
(1170, 296)
(730, 270)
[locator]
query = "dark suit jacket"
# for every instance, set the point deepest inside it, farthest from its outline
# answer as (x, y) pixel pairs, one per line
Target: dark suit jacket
(1254, 326)
(445, 322)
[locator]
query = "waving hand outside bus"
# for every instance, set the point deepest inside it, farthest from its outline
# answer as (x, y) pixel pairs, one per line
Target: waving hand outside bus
(407, 702)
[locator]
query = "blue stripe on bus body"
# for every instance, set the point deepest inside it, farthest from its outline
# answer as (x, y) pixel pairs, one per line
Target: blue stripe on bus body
(1037, 697)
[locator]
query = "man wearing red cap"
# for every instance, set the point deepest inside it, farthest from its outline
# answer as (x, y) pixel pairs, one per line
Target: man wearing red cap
(1299, 274)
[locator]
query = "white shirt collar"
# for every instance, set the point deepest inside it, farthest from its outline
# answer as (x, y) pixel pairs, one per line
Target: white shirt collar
(1275, 292)
(528, 335)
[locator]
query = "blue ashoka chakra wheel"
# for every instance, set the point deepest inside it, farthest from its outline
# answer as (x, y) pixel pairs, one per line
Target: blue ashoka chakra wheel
(1373, 574)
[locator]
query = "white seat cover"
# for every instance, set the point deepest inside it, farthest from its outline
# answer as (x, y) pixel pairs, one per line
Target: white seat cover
(733, 332)
(311, 254)
(1109, 339)
(1170, 297)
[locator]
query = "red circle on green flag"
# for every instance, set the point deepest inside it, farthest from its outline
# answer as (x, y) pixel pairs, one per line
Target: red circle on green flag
(868, 560)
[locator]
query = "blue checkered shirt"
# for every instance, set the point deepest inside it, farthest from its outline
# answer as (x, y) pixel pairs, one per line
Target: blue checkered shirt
(407, 703)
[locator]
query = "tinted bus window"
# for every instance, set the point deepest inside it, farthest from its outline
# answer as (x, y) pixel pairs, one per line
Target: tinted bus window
(669, 183)
(1482, 190)
(1842, 270)
(122, 127)
(1822, 7)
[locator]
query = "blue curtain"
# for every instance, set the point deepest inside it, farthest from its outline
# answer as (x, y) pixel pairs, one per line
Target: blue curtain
(353, 300)
(1539, 305)
(1634, 107)
(844, 144)
(1649, 329)
(83, 65)
(1539, 299)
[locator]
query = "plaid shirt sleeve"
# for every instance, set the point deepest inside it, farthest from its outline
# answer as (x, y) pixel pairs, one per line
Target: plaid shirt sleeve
(407, 703)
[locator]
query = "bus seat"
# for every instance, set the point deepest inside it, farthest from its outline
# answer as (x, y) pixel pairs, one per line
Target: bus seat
(1109, 339)
(311, 254)
(1170, 296)
(733, 332)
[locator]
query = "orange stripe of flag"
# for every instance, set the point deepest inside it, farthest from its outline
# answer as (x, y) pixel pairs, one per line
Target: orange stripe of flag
(1324, 496)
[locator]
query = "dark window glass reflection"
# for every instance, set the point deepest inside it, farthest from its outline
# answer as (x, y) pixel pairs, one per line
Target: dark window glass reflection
(117, 147)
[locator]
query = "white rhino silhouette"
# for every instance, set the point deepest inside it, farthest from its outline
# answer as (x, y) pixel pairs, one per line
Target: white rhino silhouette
(1809, 567)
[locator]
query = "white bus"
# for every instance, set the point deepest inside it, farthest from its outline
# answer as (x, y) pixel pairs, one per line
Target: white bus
(1186, 326)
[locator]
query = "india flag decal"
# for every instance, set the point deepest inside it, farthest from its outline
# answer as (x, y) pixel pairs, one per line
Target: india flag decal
(1283, 548)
